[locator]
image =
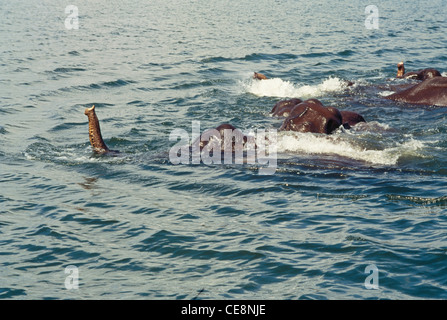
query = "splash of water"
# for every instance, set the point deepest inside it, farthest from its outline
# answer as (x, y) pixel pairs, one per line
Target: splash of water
(343, 145)
(277, 87)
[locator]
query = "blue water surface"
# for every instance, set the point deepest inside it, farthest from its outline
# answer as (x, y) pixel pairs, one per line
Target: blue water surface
(137, 226)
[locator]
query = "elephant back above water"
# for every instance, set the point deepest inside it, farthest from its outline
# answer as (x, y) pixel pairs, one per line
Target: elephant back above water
(432, 91)
(312, 116)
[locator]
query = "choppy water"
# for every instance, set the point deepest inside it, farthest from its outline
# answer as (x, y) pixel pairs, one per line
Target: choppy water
(137, 226)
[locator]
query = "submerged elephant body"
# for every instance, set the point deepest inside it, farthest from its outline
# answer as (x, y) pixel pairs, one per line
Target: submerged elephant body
(432, 91)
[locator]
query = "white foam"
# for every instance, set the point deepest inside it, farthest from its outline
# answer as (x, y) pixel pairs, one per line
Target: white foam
(371, 127)
(277, 87)
(69, 156)
(341, 145)
(386, 93)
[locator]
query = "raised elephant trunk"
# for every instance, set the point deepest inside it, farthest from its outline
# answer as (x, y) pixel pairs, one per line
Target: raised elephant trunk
(400, 69)
(94, 131)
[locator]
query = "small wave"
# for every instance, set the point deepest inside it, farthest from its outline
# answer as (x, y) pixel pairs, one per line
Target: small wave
(277, 87)
(67, 70)
(335, 144)
(98, 85)
(77, 155)
(215, 59)
(374, 127)
(264, 57)
(116, 83)
(423, 201)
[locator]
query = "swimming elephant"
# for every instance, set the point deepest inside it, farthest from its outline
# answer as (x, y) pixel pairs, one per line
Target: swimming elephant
(312, 116)
(293, 107)
(432, 91)
(94, 132)
(225, 142)
(417, 75)
(225, 137)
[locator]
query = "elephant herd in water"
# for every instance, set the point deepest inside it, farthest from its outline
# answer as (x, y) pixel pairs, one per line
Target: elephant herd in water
(312, 116)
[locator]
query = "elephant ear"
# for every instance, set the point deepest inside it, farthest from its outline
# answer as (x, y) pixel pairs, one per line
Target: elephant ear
(350, 118)
(276, 110)
(332, 125)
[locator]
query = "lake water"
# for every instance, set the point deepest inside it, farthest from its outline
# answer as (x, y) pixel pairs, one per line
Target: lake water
(358, 214)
